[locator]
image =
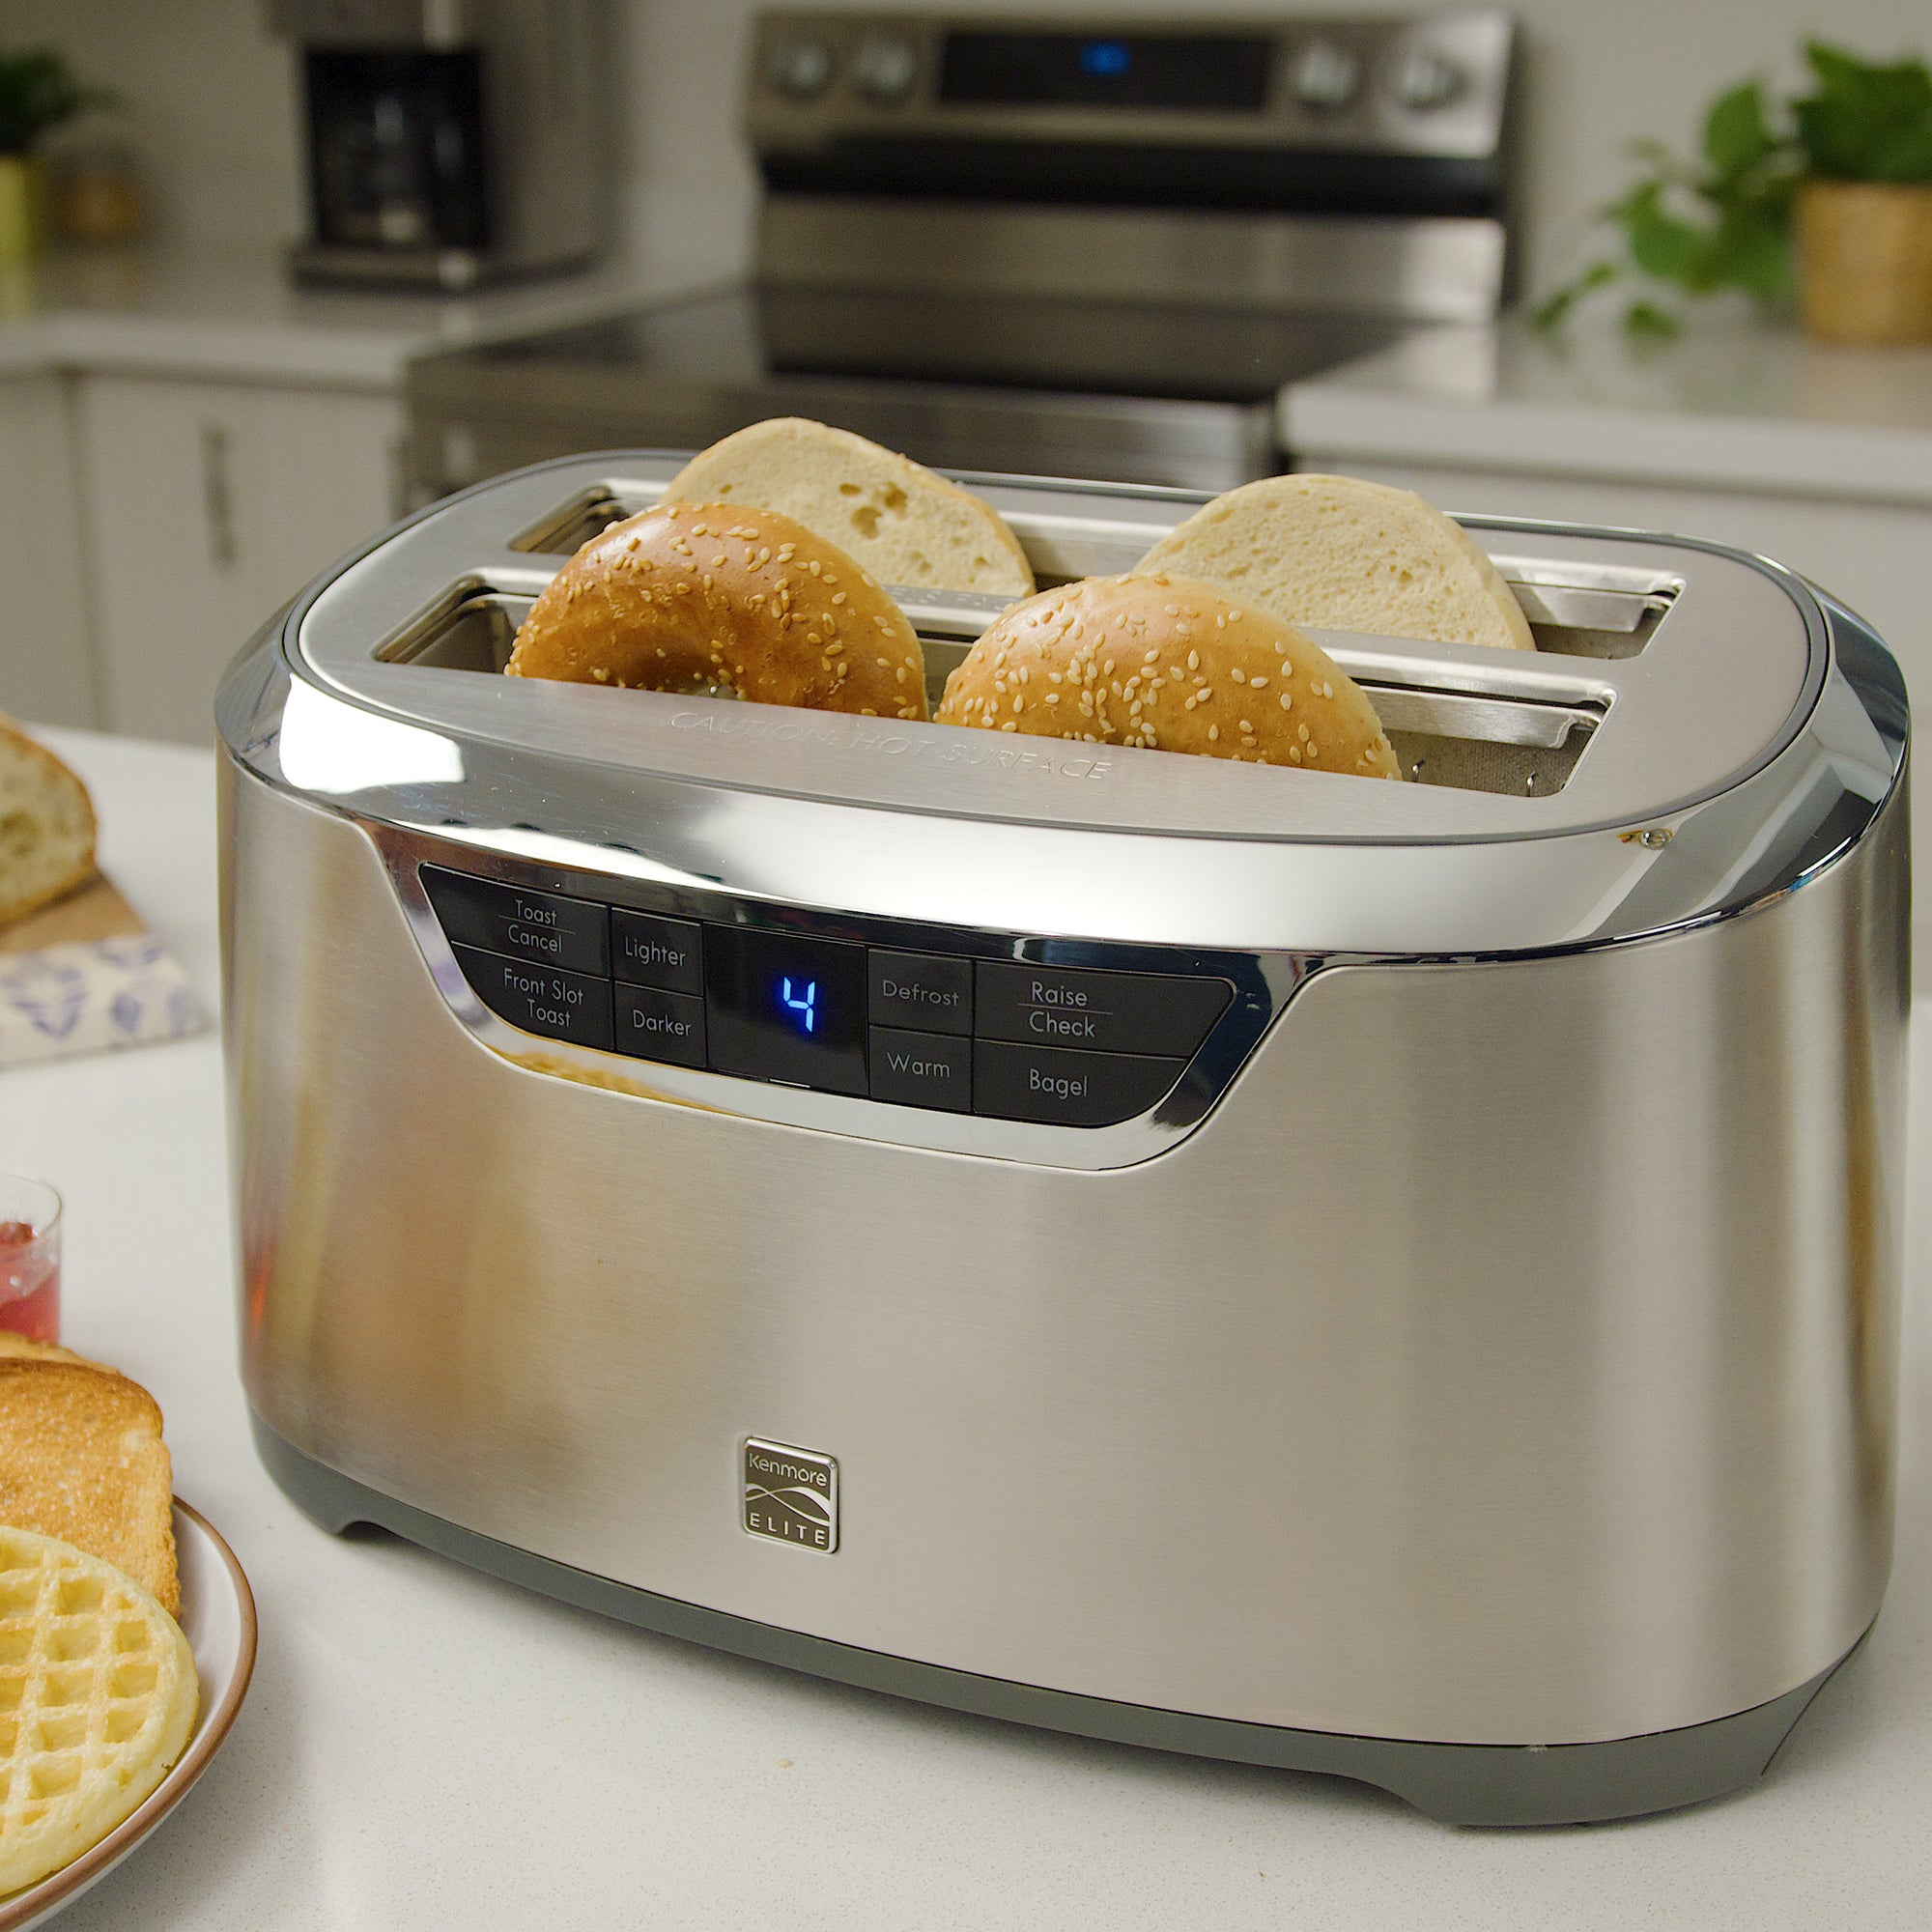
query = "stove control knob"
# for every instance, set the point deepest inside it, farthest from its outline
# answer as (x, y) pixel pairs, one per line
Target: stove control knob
(885, 68)
(1423, 79)
(799, 68)
(1326, 76)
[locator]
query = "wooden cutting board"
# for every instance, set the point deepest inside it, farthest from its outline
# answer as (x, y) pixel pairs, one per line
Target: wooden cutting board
(92, 911)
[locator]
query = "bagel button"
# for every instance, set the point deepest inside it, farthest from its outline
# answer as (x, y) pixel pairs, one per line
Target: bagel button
(522, 925)
(926, 992)
(668, 1027)
(923, 1069)
(1066, 1089)
(540, 999)
(652, 951)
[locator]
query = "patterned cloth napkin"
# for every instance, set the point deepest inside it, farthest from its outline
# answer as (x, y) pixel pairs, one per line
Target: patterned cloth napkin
(87, 996)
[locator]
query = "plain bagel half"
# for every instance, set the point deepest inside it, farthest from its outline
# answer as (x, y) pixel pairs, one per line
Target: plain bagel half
(694, 596)
(1171, 665)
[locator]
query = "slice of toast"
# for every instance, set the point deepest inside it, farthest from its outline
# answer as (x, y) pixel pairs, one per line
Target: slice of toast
(81, 1458)
(892, 517)
(28, 1349)
(1341, 554)
(47, 827)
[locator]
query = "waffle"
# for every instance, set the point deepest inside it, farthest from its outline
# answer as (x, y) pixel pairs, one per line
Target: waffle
(97, 1695)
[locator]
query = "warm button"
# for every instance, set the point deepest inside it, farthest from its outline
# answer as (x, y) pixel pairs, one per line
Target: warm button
(546, 928)
(540, 999)
(923, 1069)
(1101, 1012)
(926, 991)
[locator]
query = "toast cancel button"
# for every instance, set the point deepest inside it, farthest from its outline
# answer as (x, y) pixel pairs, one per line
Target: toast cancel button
(1066, 1089)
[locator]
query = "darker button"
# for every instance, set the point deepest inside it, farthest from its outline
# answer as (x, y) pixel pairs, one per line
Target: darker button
(1067, 1090)
(923, 991)
(660, 1026)
(539, 999)
(652, 951)
(543, 926)
(1111, 1012)
(921, 1069)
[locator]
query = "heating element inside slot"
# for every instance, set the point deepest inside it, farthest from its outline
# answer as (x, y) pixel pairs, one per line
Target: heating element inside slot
(1468, 741)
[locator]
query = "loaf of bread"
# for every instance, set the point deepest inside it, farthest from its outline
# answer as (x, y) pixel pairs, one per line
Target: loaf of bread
(1341, 554)
(47, 827)
(902, 523)
(1169, 664)
(81, 1458)
(704, 596)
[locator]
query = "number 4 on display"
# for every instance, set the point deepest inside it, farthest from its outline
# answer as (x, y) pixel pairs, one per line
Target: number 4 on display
(805, 1003)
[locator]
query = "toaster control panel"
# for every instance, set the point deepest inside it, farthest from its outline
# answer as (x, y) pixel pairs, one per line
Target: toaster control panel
(1066, 1046)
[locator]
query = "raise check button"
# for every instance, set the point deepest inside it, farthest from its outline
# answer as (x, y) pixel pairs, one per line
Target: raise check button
(1158, 1014)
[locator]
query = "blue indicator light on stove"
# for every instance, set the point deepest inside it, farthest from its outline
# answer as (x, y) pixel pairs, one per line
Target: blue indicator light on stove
(1104, 59)
(799, 1000)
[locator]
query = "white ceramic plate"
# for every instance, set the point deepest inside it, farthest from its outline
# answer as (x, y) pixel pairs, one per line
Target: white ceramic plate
(218, 1616)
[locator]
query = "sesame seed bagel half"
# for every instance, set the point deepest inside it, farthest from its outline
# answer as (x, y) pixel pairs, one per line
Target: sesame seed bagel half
(1171, 665)
(703, 596)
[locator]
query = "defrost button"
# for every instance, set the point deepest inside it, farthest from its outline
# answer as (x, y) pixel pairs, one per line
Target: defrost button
(926, 992)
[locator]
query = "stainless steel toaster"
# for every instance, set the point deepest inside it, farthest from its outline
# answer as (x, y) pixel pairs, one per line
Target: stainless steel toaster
(1391, 1280)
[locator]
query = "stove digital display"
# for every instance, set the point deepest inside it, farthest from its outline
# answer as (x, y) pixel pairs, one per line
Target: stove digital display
(1218, 73)
(779, 1007)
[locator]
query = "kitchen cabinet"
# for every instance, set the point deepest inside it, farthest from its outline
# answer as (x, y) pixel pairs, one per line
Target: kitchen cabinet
(207, 505)
(48, 669)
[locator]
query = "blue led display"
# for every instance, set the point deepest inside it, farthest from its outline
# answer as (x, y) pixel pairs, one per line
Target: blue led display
(1104, 59)
(799, 998)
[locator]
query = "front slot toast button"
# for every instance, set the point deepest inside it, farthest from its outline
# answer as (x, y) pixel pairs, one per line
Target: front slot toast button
(923, 1069)
(921, 992)
(652, 951)
(1066, 1090)
(539, 999)
(668, 1027)
(544, 927)
(1103, 1012)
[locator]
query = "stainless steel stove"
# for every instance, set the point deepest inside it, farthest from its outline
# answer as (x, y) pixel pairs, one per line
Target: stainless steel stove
(1077, 249)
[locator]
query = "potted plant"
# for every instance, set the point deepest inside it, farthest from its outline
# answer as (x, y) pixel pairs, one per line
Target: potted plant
(1830, 193)
(38, 90)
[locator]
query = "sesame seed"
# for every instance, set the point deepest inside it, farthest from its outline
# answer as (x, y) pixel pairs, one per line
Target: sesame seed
(1238, 675)
(1213, 732)
(1193, 660)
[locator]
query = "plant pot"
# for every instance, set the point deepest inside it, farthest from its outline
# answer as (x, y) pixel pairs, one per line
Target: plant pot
(1865, 261)
(23, 224)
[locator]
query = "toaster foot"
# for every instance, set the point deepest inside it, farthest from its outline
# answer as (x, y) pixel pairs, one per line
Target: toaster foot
(1456, 1784)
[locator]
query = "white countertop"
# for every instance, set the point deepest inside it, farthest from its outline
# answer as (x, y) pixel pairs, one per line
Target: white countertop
(1730, 404)
(232, 314)
(424, 1745)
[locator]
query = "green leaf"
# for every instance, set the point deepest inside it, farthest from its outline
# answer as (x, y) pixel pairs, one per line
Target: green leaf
(1660, 243)
(1737, 134)
(1647, 322)
(1550, 313)
(1867, 121)
(1752, 252)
